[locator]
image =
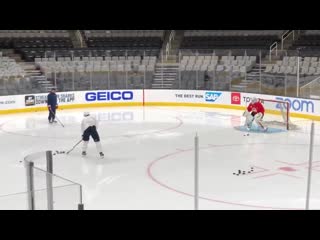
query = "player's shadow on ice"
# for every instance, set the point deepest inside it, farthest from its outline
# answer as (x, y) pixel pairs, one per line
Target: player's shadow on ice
(256, 129)
(107, 160)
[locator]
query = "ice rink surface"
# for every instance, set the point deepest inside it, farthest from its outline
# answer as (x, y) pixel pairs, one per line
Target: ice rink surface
(149, 159)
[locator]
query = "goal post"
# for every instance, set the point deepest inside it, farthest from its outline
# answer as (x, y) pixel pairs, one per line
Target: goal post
(277, 113)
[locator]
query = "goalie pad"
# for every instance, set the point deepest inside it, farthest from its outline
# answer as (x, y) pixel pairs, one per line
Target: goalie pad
(249, 119)
(246, 113)
(258, 118)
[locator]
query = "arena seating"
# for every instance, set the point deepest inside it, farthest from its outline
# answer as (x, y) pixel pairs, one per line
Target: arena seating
(34, 39)
(213, 63)
(230, 39)
(29, 54)
(308, 66)
(307, 45)
(10, 75)
(9, 68)
(102, 72)
(193, 70)
(125, 39)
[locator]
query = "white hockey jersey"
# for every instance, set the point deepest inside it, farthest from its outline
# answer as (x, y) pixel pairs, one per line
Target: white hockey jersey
(89, 121)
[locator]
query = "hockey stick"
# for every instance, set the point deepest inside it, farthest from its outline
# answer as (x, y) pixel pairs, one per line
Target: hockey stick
(55, 116)
(74, 147)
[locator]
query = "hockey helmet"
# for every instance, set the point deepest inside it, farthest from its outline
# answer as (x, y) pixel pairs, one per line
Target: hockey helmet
(254, 100)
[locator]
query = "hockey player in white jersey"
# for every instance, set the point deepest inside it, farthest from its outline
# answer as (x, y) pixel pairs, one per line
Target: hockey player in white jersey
(89, 127)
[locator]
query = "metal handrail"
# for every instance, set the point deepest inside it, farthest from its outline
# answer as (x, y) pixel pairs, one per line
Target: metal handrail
(78, 34)
(168, 46)
(285, 36)
(313, 81)
(273, 47)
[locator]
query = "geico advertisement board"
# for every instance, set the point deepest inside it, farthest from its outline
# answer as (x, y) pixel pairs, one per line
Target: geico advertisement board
(297, 105)
(86, 97)
(114, 96)
(187, 96)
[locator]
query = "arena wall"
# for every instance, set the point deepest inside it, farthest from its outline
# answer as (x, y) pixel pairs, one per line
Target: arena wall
(303, 108)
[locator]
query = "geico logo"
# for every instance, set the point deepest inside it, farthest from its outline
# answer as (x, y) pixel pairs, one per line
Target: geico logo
(107, 96)
(118, 116)
(297, 104)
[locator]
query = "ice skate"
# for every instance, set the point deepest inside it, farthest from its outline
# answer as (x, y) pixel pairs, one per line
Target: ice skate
(101, 155)
(84, 154)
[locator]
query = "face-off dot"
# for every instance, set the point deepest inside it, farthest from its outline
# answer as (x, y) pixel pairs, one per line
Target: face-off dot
(287, 169)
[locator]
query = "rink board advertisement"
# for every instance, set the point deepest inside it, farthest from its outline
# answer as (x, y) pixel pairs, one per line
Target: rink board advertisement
(231, 100)
(186, 96)
(297, 105)
(9, 102)
(66, 100)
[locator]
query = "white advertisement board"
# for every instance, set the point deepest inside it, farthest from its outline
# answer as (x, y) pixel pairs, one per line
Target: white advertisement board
(297, 105)
(70, 98)
(187, 96)
(10, 102)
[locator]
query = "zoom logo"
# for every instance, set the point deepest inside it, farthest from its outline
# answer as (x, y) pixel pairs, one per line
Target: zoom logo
(109, 96)
(297, 104)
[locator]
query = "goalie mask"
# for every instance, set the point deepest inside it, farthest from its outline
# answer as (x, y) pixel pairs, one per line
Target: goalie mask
(254, 100)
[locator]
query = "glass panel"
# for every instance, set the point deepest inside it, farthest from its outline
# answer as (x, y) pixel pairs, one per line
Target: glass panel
(17, 201)
(244, 70)
(66, 197)
(66, 194)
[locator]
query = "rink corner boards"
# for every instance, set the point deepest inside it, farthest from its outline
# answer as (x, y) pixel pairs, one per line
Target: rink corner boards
(150, 104)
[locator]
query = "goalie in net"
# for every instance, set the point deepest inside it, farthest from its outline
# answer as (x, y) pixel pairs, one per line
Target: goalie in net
(255, 113)
(273, 113)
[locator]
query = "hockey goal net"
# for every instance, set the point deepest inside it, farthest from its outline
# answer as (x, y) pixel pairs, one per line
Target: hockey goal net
(277, 113)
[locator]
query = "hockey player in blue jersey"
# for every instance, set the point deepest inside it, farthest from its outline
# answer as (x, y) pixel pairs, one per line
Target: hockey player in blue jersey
(52, 105)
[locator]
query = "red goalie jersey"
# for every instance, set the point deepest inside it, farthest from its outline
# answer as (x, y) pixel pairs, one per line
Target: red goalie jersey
(256, 107)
